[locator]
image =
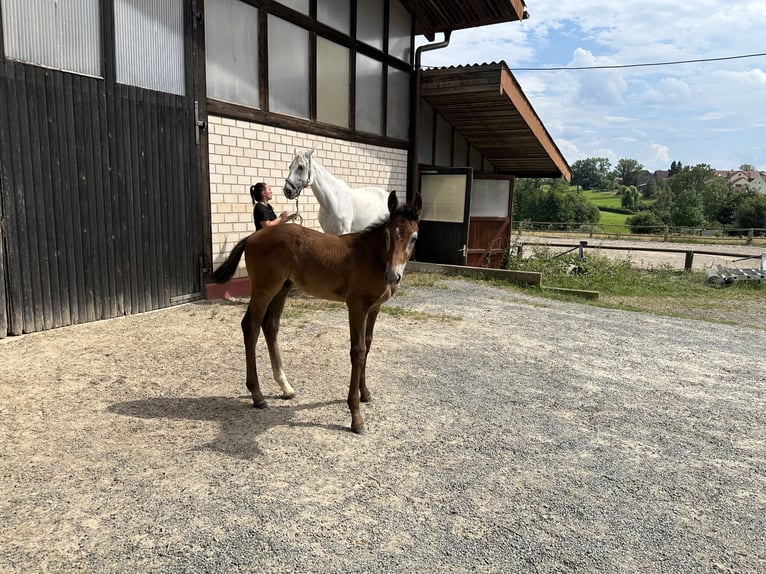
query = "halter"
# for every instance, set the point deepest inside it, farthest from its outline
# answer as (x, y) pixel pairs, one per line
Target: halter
(305, 185)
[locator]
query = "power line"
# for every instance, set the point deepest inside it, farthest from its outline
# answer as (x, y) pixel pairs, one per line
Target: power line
(616, 66)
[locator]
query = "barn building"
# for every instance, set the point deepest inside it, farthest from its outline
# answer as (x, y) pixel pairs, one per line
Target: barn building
(131, 131)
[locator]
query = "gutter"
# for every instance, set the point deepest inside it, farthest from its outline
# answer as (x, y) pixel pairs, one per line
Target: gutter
(415, 112)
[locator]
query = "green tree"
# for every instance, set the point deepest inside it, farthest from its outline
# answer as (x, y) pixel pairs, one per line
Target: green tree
(675, 168)
(628, 171)
(551, 200)
(686, 210)
(587, 173)
(630, 197)
(751, 213)
(644, 222)
(747, 167)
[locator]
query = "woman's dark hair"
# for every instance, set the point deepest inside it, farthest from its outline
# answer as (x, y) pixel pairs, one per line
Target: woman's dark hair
(256, 192)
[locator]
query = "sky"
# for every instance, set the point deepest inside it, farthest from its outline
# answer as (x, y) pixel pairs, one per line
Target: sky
(702, 113)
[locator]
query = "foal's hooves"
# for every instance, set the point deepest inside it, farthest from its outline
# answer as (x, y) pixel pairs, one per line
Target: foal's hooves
(359, 429)
(261, 405)
(288, 396)
(366, 398)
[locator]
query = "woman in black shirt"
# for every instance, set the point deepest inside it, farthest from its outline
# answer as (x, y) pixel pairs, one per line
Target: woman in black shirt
(263, 213)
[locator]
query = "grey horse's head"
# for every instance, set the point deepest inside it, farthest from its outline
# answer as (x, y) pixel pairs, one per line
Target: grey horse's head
(299, 175)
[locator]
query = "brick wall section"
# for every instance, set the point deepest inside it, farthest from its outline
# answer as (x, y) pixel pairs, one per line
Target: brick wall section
(243, 153)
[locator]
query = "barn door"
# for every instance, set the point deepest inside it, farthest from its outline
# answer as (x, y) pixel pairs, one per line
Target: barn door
(490, 223)
(3, 300)
(443, 227)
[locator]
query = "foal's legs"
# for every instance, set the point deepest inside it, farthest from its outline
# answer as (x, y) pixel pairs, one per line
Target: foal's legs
(357, 320)
(364, 393)
(270, 325)
(251, 326)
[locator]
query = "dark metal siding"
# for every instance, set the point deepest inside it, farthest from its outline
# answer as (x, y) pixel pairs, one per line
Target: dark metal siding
(99, 196)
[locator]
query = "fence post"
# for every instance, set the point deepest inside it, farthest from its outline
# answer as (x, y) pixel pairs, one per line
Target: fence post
(666, 233)
(749, 237)
(688, 260)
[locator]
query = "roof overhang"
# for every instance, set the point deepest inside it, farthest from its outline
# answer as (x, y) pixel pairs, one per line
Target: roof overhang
(486, 105)
(433, 16)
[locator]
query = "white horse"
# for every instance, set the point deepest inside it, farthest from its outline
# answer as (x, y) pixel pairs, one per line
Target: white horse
(341, 208)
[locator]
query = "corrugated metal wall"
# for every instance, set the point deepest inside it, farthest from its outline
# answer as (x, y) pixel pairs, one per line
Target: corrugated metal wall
(100, 199)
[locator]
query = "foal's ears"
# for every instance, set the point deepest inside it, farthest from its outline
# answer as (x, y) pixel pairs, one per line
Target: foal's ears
(417, 205)
(393, 201)
(296, 151)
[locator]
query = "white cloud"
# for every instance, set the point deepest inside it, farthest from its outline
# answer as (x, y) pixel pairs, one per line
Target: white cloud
(703, 112)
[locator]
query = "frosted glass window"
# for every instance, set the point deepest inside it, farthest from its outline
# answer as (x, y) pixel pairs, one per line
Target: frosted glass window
(443, 142)
(149, 44)
(332, 83)
(301, 6)
(231, 51)
(369, 95)
(369, 22)
(476, 159)
(399, 31)
(288, 68)
(335, 13)
(460, 154)
(398, 111)
(426, 133)
(61, 35)
(489, 197)
(443, 197)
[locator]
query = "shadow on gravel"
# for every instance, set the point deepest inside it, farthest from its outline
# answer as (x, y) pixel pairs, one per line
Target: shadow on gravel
(239, 423)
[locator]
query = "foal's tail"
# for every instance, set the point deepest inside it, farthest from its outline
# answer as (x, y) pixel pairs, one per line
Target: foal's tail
(228, 267)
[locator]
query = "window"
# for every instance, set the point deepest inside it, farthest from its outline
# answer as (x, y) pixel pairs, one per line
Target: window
(443, 197)
(332, 83)
(398, 104)
(369, 22)
(335, 13)
(443, 142)
(149, 44)
(288, 68)
(369, 94)
(399, 31)
(231, 51)
(426, 133)
(61, 35)
(489, 197)
(301, 6)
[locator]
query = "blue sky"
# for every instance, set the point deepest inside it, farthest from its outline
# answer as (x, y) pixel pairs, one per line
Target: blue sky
(712, 112)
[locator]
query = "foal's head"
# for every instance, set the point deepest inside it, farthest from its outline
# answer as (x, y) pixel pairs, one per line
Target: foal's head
(401, 231)
(299, 175)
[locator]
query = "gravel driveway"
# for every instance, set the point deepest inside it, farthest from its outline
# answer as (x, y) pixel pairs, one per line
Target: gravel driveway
(507, 434)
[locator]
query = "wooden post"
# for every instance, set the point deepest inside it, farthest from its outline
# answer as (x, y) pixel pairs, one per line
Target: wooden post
(688, 260)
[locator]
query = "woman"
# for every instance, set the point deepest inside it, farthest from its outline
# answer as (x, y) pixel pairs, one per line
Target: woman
(263, 213)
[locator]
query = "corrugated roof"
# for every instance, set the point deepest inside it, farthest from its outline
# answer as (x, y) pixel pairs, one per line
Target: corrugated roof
(485, 103)
(432, 16)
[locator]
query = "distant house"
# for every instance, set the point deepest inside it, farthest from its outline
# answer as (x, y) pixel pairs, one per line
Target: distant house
(740, 179)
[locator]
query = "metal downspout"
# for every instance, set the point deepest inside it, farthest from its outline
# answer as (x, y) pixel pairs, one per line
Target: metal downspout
(414, 140)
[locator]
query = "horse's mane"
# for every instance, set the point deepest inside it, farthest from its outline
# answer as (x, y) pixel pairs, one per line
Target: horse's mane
(405, 211)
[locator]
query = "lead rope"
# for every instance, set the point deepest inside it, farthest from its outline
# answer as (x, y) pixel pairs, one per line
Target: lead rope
(298, 217)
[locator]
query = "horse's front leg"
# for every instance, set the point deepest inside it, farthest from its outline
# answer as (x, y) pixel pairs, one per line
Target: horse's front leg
(364, 393)
(270, 325)
(357, 318)
(251, 326)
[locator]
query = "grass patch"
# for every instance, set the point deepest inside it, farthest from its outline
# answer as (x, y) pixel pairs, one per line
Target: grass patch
(662, 290)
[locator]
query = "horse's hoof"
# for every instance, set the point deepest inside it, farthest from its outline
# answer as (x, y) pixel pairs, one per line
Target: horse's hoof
(359, 429)
(288, 396)
(366, 398)
(262, 405)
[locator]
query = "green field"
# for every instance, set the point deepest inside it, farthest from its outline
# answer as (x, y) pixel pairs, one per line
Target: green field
(608, 222)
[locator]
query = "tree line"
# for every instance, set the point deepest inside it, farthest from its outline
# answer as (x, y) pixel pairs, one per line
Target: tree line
(691, 196)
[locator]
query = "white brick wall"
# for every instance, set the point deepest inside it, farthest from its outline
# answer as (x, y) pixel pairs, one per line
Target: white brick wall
(244, 153)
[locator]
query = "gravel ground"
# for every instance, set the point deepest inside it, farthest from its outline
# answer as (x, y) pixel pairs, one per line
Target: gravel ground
(507, 434)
